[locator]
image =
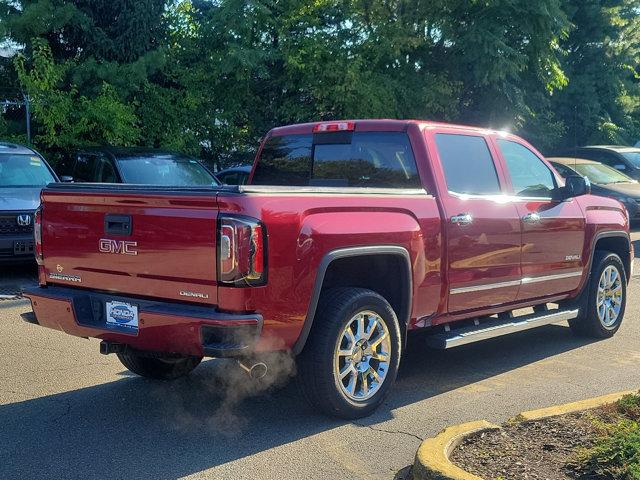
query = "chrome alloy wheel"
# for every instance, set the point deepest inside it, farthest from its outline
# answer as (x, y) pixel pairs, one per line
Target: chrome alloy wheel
(609, 299)
(362, 356)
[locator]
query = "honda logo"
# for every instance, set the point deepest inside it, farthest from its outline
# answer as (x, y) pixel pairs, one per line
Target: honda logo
(118, 246)
(23, 220)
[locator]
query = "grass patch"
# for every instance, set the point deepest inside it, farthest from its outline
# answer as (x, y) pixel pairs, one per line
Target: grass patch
(615, 453)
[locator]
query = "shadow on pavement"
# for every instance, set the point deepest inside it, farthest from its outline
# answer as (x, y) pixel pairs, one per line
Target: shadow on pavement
(136, 428)
(14, 278)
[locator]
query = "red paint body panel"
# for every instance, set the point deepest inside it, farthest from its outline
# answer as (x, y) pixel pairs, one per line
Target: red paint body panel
(307, 227)
(175, 236)
(177, 247)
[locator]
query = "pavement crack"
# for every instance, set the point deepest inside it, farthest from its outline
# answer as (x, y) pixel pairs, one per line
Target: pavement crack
(392, 432)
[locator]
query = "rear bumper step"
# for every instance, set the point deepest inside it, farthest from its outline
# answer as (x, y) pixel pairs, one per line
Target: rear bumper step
(497, 328)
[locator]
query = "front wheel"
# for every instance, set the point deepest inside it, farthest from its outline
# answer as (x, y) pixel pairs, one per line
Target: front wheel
(158, 368)
(602, 312)
(351, 359)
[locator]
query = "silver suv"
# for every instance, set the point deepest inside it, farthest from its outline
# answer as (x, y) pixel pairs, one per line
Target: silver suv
(23, 173)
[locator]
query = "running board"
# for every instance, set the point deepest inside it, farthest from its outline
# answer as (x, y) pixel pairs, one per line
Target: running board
(497, 328)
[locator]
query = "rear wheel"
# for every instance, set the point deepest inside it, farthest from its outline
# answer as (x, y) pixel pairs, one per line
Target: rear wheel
(603, 311)
(351, 359)
(159, 368)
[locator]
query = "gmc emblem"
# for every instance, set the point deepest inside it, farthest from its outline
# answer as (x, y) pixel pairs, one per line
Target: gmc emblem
(118, 247)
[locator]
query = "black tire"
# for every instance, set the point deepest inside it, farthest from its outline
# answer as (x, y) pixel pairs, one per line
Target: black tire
(168, 368)
(589, 324)
(336, 309)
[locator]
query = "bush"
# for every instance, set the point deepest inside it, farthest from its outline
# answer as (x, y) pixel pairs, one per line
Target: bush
(616, 452)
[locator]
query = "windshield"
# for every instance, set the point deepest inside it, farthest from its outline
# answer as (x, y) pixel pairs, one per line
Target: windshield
(601, 174)
(633, 156)
(165, 170)
(23, 171)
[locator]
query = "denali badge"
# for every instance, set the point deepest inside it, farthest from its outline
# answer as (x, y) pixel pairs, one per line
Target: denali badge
(118, 246)
(571, 258)
(184, 293)
(23, 220)
(68, 278)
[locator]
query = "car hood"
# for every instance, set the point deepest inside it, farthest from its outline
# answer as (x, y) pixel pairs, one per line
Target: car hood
(19, 198)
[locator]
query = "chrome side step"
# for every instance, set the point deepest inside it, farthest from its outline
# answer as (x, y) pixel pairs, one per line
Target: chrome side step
(497, 328)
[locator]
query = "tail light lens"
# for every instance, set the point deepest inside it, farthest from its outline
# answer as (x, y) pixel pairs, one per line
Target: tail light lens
(334, 127)
(37, 236)
(241, 251)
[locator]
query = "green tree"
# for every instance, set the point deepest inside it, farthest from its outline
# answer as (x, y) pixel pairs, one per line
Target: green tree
(601, 103)
(68, 119)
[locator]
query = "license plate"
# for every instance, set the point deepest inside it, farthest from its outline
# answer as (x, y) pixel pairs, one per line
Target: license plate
(122, 314)
(22, 247)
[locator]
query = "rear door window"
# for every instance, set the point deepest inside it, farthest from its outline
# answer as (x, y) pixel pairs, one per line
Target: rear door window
(468, 165)
(345, 159)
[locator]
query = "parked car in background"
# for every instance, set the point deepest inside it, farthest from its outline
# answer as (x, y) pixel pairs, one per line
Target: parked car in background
(139, 166)
(605, 181)
(23, 173)
(235, 175)
(623, 159)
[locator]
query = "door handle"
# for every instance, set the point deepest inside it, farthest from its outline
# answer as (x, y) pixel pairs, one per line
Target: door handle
(462, 219)
(531, 218)
(117, 224)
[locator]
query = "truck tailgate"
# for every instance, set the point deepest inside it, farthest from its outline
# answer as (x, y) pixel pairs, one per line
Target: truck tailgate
(135, 241)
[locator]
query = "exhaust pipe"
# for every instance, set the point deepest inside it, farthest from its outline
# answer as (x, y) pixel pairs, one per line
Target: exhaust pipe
(256, 370)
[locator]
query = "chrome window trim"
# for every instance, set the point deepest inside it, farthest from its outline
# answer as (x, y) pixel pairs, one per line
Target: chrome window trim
(313, 190)
(514, 283)
(498, 197)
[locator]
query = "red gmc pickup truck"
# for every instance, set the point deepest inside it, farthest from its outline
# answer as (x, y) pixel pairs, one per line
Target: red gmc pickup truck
(349, 235)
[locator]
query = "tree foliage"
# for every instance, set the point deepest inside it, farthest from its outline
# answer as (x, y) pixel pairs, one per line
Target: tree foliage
(211, 76)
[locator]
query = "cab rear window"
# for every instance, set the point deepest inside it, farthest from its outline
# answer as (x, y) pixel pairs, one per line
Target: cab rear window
(358, 159)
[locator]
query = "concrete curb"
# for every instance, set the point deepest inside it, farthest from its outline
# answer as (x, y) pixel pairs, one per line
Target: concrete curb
(572, 407)
(432, 459)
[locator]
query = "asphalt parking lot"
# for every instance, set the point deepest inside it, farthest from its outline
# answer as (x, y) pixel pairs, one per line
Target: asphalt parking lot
(68, 412)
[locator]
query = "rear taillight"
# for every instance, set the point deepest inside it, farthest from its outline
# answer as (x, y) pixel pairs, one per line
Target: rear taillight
(241, 251)
(37, 236)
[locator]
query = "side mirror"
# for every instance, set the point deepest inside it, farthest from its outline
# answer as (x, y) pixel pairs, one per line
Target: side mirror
(574, 186)
(66, 178)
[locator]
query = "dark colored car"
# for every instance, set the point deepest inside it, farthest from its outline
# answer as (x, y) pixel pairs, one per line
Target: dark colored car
(138, 166)
(605, 181)
(235, 175)
(623, 159)
(23, 173)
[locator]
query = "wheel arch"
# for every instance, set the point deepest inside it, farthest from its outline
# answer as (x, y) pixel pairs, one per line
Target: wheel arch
(343, 258)
(617, 242)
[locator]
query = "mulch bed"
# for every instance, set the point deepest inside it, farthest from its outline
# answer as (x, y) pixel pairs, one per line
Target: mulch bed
(536, 450)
